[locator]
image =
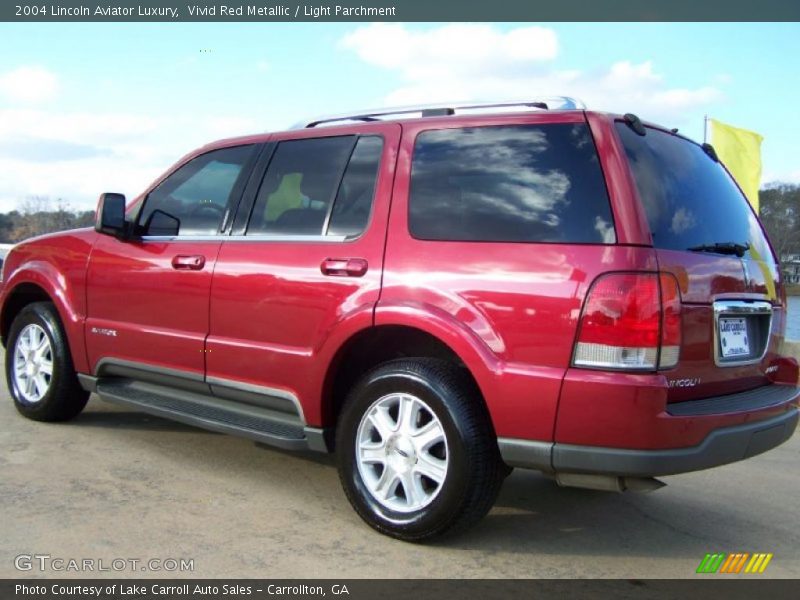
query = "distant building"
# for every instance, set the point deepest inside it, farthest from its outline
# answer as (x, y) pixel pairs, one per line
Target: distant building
(790, 264)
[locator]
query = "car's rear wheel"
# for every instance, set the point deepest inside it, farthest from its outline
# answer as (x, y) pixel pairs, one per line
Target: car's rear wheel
(417, 454)
(39, 369)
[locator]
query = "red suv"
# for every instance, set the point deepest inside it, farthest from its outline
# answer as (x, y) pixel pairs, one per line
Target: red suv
(437, 295)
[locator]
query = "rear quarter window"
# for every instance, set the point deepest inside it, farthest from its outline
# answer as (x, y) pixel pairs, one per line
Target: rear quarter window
(522, 183)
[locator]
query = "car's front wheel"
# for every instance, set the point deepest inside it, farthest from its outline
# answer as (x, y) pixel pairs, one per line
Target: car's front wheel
(39, 370)
(416, 451)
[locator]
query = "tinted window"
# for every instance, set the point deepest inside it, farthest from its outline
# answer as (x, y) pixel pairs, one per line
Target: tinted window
(689, 199)
(354, 199)
(299, 186)
(512, 183)
(197, 194)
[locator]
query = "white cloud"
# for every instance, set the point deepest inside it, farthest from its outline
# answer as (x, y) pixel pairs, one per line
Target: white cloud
(792, 176)
(450, 49)
(227, 126)
(85, 126)
(81, 154)
(28, 84)
(682, 221)
(480, 62)
(78, 182)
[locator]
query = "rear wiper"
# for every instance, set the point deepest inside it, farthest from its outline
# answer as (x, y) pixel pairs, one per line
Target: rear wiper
(722, 248)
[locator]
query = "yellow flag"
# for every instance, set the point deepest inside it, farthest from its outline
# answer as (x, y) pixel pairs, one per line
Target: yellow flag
(740, 151)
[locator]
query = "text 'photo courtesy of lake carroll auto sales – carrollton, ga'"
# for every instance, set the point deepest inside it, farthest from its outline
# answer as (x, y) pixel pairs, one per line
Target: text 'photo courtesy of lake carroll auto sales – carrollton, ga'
(212, 10)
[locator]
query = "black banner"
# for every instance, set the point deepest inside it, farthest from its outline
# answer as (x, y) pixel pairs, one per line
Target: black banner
(405, 589)
(398, 10)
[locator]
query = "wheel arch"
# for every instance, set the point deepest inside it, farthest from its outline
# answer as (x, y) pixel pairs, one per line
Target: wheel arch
(389, 340)
(39, 283)
(18, 298)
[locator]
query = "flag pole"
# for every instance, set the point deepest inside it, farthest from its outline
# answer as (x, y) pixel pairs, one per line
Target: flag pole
(705, 129)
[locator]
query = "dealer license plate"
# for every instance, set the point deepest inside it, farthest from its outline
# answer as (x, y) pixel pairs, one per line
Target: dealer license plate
(733, 338)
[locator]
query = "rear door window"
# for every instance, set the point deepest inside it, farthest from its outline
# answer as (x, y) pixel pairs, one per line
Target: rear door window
(299, 186)
(318, 186)
(690, 200)
(520, 183)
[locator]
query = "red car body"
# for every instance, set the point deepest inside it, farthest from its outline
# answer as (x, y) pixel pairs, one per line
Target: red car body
(267, 315)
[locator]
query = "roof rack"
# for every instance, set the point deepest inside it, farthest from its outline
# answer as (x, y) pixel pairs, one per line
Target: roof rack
(444, 109)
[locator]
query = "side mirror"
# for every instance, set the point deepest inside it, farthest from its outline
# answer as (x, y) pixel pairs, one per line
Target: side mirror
(110, 217)
(162, 224)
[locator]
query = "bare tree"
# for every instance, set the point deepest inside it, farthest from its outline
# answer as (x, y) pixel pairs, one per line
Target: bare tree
(780, 214)
(37, 215)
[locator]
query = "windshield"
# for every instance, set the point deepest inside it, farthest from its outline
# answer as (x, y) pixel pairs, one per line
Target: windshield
(690, 200)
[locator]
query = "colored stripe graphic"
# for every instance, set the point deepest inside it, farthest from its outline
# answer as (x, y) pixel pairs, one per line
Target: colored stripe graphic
(765, 563)
(735, 562)
(755, 562)
(711, 563)
(759, 563)
(703, 563)
(729, 563)
(741, 562)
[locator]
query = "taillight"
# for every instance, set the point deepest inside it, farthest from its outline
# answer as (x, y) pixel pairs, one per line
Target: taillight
(623, 325)
(671, 322)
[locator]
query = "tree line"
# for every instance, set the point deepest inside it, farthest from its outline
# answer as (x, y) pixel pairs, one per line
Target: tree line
(780, 214)
(39, 214)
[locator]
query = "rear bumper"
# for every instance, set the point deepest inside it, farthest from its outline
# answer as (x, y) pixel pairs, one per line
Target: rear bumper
(720, 446)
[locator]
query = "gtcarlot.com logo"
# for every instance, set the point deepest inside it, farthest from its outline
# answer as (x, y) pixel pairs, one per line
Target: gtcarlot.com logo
(735, 563)
(45, 562)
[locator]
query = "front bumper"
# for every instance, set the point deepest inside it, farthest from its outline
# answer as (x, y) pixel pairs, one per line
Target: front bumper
(720, 446)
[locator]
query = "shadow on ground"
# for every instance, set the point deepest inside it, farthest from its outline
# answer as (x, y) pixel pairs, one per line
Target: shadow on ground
(532, 516)
(131, 420)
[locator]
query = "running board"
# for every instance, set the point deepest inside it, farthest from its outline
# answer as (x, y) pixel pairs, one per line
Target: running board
(210, 412)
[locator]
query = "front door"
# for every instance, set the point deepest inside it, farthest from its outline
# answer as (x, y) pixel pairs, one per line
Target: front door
(148, 297)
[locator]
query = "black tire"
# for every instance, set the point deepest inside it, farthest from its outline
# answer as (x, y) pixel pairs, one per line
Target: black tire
(64, 398)
(474, 472)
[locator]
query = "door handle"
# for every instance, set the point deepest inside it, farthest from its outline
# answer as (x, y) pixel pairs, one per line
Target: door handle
(344, 267)
(188, 263)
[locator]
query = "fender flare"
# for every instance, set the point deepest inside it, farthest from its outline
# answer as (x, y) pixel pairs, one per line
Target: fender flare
(476, 355)
(473, 352)
(45, 276)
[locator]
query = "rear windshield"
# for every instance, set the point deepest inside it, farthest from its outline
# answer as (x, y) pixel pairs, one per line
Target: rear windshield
(525, 183)
(690, 200)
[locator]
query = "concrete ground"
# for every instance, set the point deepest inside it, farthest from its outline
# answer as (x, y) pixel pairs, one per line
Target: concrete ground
(119, 484)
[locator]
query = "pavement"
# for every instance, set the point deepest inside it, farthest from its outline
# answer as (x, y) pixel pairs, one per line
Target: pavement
(115, 484)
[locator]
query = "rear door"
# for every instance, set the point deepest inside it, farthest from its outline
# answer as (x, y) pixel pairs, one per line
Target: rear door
(303, 267)
(499, 225)
(707, 236)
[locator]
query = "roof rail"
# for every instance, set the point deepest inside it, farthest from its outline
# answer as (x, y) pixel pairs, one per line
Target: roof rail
(444, 108)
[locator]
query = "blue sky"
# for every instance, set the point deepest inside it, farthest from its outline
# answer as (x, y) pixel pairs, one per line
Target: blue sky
(86, 108)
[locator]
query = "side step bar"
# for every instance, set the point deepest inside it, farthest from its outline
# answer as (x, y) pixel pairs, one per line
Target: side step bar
(258, 423)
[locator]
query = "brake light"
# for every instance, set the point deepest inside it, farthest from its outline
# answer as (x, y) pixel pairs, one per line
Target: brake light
(626, 320)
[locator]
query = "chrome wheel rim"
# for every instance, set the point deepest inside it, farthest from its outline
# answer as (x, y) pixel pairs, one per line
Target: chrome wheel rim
(33, 363)
(402, 453)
